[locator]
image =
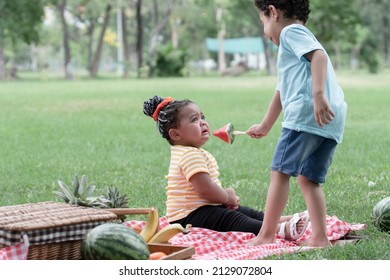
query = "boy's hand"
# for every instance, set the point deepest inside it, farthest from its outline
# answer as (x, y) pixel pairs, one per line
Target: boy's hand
(257, 131)
(322, 111)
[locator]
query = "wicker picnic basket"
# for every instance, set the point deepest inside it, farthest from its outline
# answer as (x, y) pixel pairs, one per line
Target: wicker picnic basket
(54, 230)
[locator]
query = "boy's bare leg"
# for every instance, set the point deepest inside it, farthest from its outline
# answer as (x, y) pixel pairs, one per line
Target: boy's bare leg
(276, 201)
(315, 202)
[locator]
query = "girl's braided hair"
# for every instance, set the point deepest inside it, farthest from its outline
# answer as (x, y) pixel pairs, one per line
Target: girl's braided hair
(167, 117)
(293, 9)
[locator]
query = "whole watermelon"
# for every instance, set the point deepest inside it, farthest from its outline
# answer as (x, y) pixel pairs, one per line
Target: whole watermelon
(114, 242)
(381, 215)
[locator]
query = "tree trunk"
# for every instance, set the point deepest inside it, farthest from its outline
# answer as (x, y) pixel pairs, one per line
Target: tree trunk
(14, 71)
(174, 34)
(126, 48)
(2, 58)
(337, 61)
(33, 58)
(221, 37)
(65, 33)
(2, 62)
(386, 27)
(221, 49)
(269, 61)
(138, 45)
(354, 63)
(96, 60)
(119, 24)
(90, 31)
(160, 24)
(388, 51)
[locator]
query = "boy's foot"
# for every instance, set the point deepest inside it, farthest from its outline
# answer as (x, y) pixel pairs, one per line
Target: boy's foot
(258, 241)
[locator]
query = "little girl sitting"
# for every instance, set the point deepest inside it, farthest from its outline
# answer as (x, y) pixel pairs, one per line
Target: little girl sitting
(194, 193)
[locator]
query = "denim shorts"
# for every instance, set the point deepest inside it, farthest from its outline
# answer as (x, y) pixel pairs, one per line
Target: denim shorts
(302, 153)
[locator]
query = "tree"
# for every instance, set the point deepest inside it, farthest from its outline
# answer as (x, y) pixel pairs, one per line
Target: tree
(61, 5)
(351, 31)
(160, 23)
(250, 25)
(20, 22)
(91, 14)
(376, 17)
(126, 46)
(334, 23)
(221, 37)
(94, 67)
(139, 40)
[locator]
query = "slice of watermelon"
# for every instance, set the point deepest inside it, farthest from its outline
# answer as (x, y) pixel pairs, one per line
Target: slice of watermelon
(225, 133)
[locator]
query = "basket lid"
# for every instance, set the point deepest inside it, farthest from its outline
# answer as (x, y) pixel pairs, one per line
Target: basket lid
(44, 215)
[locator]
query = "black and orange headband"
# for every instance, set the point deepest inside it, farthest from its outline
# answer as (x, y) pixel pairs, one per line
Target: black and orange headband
(160, 106)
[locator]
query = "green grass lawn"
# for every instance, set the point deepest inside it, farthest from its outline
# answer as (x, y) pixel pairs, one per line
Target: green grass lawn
(52, 130)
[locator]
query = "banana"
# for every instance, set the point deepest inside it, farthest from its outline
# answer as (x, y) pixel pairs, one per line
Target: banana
(152, 225)
(168, 232)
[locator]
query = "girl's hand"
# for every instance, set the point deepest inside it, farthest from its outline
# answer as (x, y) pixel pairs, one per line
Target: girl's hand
(322, 111)
(234, 206)
(233, 200)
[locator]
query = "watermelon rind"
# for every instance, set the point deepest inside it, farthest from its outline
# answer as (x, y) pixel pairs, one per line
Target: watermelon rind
(381, 215)
(114, 242)
(229, 131)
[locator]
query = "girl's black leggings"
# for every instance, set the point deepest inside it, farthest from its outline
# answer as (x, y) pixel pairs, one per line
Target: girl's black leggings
(220, 218)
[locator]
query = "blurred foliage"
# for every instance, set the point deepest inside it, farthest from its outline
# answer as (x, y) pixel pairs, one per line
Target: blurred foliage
(356, 33)
(21, 20)
(170, 62)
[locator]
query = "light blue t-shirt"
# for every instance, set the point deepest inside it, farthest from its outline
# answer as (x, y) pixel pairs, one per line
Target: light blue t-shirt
(295, 85)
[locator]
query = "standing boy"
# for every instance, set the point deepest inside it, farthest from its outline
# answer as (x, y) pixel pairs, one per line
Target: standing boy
(314, 116)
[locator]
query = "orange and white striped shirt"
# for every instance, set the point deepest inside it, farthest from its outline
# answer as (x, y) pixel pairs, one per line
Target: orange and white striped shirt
(182, 198)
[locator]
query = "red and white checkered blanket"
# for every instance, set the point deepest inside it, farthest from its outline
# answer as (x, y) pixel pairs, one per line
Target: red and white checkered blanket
(15, 252)
(213, 245)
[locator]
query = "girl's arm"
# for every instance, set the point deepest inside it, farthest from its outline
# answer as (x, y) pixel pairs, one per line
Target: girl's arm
(322, 111)
(209, 190)
(274, 110)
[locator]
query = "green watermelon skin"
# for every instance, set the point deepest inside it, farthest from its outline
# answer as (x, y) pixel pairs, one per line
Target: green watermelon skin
(381, 215)
(114, 242)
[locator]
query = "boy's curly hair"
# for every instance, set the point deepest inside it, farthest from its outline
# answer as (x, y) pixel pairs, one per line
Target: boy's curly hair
(294, 9)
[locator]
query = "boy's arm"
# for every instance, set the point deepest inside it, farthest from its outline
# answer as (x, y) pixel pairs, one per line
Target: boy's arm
(209, 190)
(273, 112)
(322, 111)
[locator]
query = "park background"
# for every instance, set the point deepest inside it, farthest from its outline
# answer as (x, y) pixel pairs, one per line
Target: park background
(74, 75)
